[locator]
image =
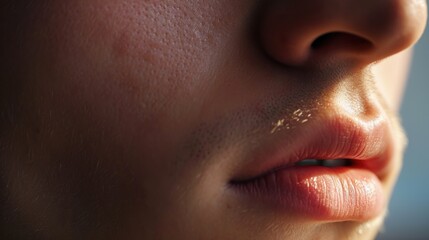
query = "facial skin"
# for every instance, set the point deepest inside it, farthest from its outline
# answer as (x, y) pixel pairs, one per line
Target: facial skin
(129, 119)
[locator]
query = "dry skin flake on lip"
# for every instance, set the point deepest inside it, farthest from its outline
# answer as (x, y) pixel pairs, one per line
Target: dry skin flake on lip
(298, 116)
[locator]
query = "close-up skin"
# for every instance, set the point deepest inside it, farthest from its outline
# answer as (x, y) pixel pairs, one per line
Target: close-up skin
(202, 119)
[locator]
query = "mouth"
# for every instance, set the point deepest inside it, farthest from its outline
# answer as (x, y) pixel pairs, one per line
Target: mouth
(334, 174)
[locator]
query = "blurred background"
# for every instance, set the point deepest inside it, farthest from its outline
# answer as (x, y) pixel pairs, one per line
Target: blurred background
(409, 209)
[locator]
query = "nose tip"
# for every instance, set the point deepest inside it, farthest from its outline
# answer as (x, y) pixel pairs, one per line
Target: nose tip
(303, 32)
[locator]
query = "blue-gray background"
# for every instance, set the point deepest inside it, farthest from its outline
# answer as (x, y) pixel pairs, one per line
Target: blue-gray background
(409, 209)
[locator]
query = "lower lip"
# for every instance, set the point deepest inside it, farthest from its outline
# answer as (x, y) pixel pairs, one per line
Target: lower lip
(319, 193)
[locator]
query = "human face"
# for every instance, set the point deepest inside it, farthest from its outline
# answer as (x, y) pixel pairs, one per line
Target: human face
(141, 119)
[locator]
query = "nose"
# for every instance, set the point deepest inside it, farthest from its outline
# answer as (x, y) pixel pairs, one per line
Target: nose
(304, 32)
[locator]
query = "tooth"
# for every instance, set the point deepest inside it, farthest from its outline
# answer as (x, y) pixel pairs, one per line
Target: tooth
(324, 162)
(335, 162)
(309, 162)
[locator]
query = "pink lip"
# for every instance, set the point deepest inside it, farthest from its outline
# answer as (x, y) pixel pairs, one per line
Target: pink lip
(329, 194)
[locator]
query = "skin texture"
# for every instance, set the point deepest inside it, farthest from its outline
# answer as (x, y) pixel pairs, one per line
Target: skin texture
(128, 119)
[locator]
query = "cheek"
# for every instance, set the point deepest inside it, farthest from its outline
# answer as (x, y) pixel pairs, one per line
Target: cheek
(391, 75)
(125, 76)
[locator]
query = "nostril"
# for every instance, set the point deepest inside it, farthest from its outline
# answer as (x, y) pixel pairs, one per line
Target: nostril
(342, 41)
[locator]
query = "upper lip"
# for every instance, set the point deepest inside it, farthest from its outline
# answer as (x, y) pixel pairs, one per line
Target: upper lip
(366, 143)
